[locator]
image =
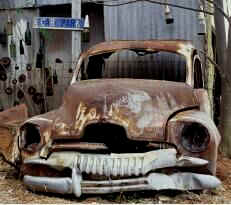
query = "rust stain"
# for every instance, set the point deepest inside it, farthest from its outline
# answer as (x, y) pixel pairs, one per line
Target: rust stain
(82, 116)
(117, 116)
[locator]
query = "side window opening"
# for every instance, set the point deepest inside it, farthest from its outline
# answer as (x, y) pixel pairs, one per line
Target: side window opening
(95, 67)
(198, 79)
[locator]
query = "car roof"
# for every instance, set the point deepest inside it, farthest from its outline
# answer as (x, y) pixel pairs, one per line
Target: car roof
(177, 46)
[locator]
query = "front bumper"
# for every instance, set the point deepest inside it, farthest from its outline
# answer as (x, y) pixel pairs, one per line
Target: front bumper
(139, 172)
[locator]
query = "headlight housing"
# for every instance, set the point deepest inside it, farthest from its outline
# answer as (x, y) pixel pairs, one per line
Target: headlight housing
(195, 137)
(29, 137)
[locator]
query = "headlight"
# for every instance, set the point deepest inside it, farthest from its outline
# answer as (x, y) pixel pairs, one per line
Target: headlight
(195, 137)
(29, 137)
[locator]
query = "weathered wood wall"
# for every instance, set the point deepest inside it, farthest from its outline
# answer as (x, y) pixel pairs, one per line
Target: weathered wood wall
(58, 44)
(19, 27)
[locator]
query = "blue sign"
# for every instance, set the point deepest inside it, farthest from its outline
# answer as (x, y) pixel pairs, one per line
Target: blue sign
(58, 23)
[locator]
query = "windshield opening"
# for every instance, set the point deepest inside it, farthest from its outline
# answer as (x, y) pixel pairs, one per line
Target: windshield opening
(136, 64)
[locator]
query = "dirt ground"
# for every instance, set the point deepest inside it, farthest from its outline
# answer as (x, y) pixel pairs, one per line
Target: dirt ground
(13, 191)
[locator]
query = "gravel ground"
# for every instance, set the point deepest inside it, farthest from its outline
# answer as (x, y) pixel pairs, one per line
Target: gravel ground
(13, 191)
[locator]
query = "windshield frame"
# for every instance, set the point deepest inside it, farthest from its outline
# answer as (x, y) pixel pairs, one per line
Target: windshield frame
(184, 49)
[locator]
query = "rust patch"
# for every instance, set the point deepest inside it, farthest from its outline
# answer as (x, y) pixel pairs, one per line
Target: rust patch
(82, 116)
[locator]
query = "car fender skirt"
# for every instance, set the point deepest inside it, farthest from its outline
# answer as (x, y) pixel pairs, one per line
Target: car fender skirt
(153, 181)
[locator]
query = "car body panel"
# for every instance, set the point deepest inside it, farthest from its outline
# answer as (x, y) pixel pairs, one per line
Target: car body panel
(141, 106)
(113, 135)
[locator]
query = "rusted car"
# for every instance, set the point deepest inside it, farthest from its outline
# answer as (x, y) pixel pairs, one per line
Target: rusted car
(125, 125)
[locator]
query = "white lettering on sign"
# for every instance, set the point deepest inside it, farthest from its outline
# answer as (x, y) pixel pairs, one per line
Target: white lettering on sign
(58, 23)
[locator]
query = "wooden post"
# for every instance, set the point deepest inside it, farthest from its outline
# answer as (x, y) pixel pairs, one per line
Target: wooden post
(76, 35)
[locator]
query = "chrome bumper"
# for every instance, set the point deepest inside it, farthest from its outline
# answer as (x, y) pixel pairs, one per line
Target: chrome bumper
(134, 165)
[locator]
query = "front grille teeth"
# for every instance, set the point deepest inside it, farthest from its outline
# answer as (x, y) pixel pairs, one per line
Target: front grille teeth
(126, 164)
(114, 164)
(110, 166)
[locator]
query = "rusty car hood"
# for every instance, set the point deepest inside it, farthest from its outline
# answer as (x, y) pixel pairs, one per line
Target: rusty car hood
(142, 107)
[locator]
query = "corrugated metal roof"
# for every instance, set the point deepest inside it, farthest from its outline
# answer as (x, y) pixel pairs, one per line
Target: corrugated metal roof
(144, 21)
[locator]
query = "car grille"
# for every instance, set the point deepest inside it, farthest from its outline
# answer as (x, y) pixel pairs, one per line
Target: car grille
(124, 164)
